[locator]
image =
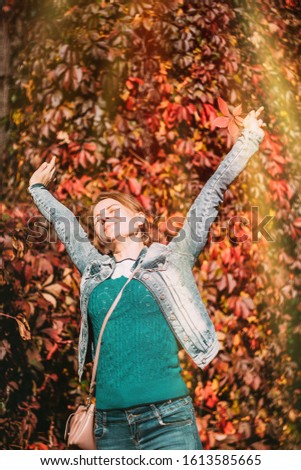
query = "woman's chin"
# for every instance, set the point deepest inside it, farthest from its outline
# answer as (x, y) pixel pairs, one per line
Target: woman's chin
(108, 238)
(105, 239)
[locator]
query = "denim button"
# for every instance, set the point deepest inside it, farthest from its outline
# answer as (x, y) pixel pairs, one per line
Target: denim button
(172, 317)
(162, 296)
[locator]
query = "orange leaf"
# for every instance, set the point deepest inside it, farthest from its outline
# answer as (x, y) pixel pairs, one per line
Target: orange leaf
(233, 129)
(223, 106)
(229, 428)
(237, 110)
(24, 328)
(50, 298)
(238, 120)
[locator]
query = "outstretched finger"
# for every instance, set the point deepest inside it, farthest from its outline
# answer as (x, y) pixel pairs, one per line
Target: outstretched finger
(259, 110)
(52, 162)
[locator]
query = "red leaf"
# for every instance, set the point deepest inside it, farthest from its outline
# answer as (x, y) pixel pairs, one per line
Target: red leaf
(137, 80)
(82, 158)
(229, 428)
(129, 84)
(134, 186)
(297, 222)
(256, 382)
(221, 122)
(145, 201)
(210, 112)
(52, 351)
(61, 68)
(91, 146)
(231, 282)
(78, 74)
(130, 103)
(73, 147)
(66, 80)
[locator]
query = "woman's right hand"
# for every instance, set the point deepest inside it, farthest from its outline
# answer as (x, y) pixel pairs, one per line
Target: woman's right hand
(252, 122)
(45, 173)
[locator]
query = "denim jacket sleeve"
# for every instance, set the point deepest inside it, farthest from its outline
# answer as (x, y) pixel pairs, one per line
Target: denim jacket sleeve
(192, 237)
(66, 225)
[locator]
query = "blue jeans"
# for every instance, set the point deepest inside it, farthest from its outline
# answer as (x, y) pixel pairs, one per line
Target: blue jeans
(163, 425)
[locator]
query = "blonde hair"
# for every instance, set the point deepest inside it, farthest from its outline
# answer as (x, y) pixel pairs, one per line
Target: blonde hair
(129, 201)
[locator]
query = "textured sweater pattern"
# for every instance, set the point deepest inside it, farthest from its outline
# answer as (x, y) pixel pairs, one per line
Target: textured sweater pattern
(138, 360)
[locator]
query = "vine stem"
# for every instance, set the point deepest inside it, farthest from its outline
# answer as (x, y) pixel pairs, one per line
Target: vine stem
(8, 316)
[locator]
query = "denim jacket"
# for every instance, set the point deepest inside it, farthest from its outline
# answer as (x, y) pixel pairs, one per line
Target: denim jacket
(166, 270)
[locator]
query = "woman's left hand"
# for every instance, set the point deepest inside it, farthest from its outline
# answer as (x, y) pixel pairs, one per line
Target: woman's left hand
(251, 122)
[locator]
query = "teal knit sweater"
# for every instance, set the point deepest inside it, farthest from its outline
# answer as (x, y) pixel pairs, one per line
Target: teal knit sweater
(138, 362)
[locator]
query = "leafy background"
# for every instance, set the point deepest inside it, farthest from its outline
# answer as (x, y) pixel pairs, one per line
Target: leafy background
(125, 93)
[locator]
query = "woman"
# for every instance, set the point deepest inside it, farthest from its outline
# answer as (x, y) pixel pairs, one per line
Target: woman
(142, 400)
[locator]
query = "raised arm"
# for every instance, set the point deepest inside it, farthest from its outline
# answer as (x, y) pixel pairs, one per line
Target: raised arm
(192, 237)
(66, 225)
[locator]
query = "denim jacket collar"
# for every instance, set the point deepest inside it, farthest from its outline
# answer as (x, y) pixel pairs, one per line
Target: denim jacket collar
(141, 255)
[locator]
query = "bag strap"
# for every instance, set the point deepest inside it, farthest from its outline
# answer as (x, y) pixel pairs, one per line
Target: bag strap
(110, 311)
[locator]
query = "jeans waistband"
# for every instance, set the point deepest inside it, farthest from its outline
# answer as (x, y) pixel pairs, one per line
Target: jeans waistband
(143, 405)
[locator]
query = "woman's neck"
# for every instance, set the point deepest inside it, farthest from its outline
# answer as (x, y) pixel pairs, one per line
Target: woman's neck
(126, 251)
